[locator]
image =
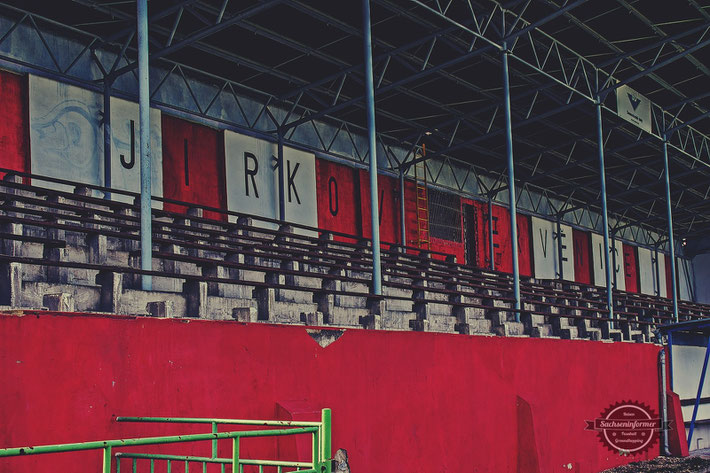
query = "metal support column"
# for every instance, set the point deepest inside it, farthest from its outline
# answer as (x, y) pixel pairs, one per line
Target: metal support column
(491, 252)
(671, 241)
(656, 271)
(511, 183)
(605, 216)
(402, 212)
(144, 119)
(370, 99)
(107, 136)
(281, 168)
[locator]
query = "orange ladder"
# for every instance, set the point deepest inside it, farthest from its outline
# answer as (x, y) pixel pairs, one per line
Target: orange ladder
(420, 180)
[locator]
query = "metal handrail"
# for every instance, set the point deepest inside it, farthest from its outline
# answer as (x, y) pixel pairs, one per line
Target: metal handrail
(320, 431)
(206, 420)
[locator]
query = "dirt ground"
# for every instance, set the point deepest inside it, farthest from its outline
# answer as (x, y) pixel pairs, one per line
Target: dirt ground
(694, 464)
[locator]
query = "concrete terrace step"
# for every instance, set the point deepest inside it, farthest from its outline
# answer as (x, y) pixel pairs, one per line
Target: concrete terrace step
(475, 327)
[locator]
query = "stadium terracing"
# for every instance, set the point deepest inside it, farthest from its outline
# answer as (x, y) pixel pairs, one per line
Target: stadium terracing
(282, 172)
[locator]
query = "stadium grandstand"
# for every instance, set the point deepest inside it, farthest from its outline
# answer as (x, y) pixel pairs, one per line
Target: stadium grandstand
(461, 228)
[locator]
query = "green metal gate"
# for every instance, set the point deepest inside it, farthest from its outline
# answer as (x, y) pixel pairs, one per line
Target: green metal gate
(319, 463)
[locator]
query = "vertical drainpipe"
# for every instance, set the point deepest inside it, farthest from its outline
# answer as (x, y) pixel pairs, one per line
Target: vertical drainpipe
(107, 136)
(605, 216)
(511, 183)
(144, 119)
(370, 99)
(282, 166)
(664, 400)
(402, 213)
(671, 241)
(491, 252)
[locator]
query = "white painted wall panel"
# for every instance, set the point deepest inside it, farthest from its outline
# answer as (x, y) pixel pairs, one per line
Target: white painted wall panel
(300, 187)
(617, 259)
(544, 248)
(647, 271)
(598, 260)
(687, 365)
(125, 166)
(252, 180)
(567, 262)
(546, 251)
(685, 279)
(251, 187)
(66, 138)
(661, 261)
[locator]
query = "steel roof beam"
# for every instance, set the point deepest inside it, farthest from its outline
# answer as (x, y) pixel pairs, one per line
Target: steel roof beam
(590, 95)
(699, 65)
(203, 33)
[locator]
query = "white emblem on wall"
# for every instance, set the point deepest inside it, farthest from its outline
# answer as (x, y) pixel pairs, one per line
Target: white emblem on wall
(125, 161)
(546, 250)
(633, 107)
(66, 138)
(253, 179)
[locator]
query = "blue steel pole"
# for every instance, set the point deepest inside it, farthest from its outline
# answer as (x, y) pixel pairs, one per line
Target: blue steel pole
(402, 212)
(671, 241)
(605, 216)
(144, 119)
(370, 98)
(107, 136)
(282, 170)
(657, 272)
(511, 182)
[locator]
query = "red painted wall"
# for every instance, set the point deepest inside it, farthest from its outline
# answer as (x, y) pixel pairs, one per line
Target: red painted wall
(14, 123)
(410, 213)
(524, 245)
(455, 248)
(402, 401)
(631, 268)
(338, 205)
(205, 165)
(476, 232)
(501, 239)
(582, 243)
(388, 196)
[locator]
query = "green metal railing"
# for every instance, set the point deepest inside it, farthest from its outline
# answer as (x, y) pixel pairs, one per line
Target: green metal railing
(320, 431)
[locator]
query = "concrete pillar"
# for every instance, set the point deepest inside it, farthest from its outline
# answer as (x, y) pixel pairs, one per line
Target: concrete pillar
(111, 291)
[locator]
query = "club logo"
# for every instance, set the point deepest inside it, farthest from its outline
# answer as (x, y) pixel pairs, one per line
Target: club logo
(627, 427)
(635, 101)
